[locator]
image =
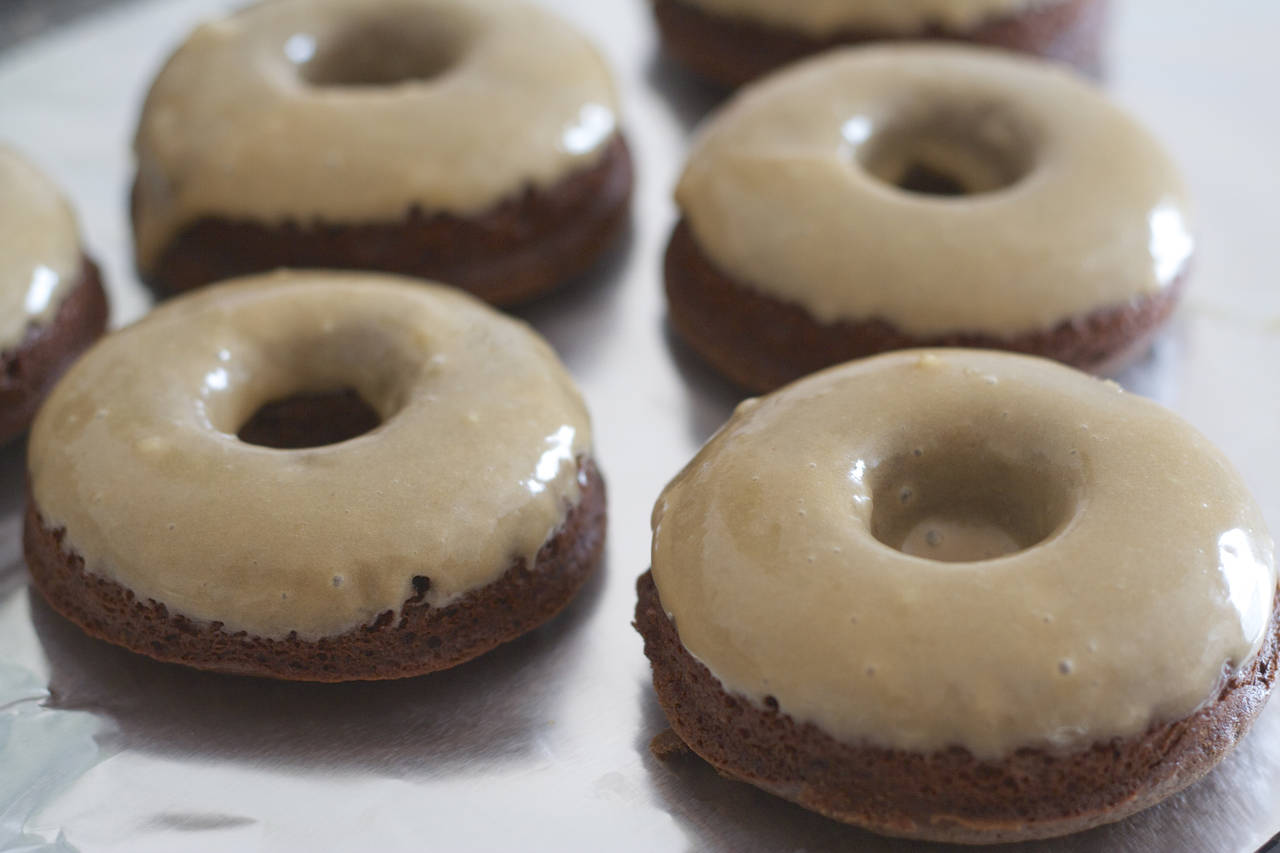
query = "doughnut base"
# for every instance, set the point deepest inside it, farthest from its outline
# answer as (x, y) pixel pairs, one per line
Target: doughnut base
(731, 51)
(946, 796)
(516, 251)
(417, 640)
(29, 370)
(762, 343)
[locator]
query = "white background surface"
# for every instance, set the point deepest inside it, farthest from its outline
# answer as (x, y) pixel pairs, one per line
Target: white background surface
(543, 744)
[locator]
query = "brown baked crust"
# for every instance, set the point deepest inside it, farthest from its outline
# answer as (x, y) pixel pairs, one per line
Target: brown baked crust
(519, 249)
(29, 370)
(762, 343)
(417, 640)
(733, 51)
(944, 796)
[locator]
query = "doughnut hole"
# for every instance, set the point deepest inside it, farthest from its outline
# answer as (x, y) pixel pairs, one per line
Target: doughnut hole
(310, 419)
(964, 501)
(950, 151)
(313, 391)
(383, 50)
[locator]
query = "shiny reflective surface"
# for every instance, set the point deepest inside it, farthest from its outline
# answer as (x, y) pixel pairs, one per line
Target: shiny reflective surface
(299, 48)
(1171, 243)
(1239, 556)
(594, 127)
(1111, 513)
(44, 282)
(543, 744)
(39, 246)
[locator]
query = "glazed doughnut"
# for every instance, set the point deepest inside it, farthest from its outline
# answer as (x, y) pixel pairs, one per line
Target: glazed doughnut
(171, 512)
(52, 305)
(960, 595)
(891, 197)
(470, 141)
(732, 42)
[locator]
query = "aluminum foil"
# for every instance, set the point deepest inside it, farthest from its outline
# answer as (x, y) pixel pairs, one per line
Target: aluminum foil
(543, 744)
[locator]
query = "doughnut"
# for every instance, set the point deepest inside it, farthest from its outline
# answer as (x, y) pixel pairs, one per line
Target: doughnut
(52, 305)
(960, 595)
(890, 197)
(731, 42)
(315, 476)
(470, 141)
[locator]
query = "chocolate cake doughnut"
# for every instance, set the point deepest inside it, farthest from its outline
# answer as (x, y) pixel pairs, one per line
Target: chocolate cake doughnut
(732, 42)
(470, 141)
(901, 196)
(314, 476)
(960, 595)
(52, 305)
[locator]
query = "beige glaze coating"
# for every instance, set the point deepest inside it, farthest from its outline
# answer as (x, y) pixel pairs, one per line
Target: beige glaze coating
(354, 111)
(39, 248)
(474, 465)
(790, 190)
(1143, 566)
(828, 17)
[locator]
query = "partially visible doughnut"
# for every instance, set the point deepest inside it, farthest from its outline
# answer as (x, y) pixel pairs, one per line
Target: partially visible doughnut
(732, 42)
(52, 305)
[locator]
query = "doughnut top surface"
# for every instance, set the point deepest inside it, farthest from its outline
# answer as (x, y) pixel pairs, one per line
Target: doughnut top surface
(829, 17)
(39, 248)
(1065, 204)
(356, 111)
(473, 466)
(938, 548)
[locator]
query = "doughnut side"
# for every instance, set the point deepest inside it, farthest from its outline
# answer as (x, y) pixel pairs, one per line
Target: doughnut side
(521, 248)
(416, 640)
(731, 51)
(946, 796)
(29, 370)
(762, 343)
